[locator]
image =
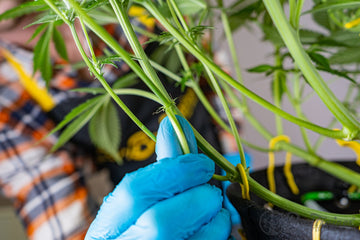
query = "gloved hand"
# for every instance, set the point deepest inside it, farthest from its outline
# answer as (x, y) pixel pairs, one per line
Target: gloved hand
(166, 200)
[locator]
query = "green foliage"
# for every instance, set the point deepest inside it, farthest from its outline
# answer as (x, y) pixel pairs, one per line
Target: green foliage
(334, 5)
(244, 13)
(42, 60)
(191, 7)
(76, 119)
(23, 9)
(60, 44)
(105, 131)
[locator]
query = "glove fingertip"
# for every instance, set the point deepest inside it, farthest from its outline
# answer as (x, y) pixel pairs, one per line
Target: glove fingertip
(167, 143)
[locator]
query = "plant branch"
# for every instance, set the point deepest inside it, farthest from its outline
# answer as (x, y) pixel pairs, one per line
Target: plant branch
(218, 71)
(332, 218)
(350, 124)
(120, 11)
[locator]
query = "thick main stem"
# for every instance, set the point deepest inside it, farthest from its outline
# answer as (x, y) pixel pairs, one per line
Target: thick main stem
(289, 36)
(124, 21)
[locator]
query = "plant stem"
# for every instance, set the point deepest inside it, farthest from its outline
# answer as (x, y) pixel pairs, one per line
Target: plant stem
(232, 49)
(218, 90)
(332, 168)
(226, 108)
(107, 87)
(277, 94)
(195, 86)
(349, 122)
(296, 102)
(124, 21)
(218, 71)
(332, 218)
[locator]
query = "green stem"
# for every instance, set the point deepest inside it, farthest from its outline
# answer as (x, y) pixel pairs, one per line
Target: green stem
(277, 94)
(218, 71)
(296, 102)
(218, 91)
(98, 75)
(107, 86)
(226, 108)
(195, 86)
(130, 34)
(289, 36)
(332, 168)
(232, 49)
(248, 115)
(175, 7)
(332, 218)
(137, 92)
(175, 18)
(93, 56)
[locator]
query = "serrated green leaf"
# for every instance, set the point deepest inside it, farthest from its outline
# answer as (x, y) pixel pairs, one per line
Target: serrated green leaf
(346, 56)
(104, 130)
(75, 112)
(334, 4)
(75, 126)
(346, 38)
(198, 31)
(190, 7)
(319, 59)
(337, 72)
(37, 31)
(23, 9)
(47, 18)
(60, 44)
(271, 34)
(90, 90)
(239, 16)
(261, 68)
(310, 36)
(127, 80)
(42, 59)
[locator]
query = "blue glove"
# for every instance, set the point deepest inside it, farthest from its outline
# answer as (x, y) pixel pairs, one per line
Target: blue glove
(166, 200)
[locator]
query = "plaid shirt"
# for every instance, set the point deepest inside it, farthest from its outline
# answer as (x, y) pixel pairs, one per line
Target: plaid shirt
(47, 189)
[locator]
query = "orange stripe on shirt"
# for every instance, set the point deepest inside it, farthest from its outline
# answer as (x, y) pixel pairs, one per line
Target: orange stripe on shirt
(79, 195)
(20, 148)
(66, 168)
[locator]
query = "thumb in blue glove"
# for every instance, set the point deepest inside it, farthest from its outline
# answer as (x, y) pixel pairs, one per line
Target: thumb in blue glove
(168, 199)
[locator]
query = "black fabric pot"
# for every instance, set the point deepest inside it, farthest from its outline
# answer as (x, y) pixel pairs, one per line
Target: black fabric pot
(261, 223)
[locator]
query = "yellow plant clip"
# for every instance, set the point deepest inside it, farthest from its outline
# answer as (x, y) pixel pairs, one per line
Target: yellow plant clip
(142, 15)
(245, 189)
(287, 166)
(352, 23)
(316, 230)
(355, 146)
(39, 94)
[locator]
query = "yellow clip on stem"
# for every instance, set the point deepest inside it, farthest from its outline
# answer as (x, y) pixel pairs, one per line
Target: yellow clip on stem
(245, 189)
(316, 230)
(39, 94)
(352, 23)
(355, 146)
(287, 166)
